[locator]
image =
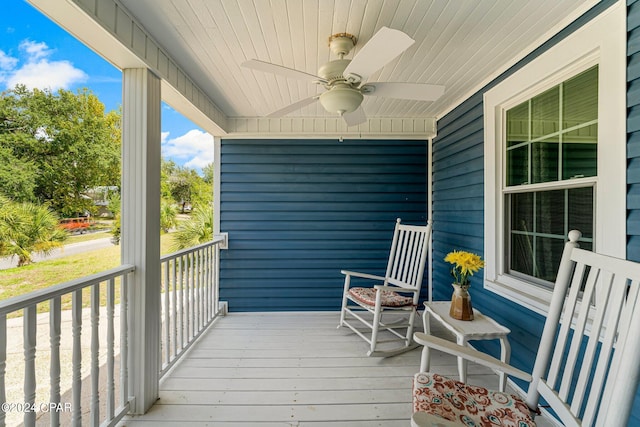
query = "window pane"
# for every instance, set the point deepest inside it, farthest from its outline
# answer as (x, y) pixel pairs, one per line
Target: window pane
(580, 152)
(544, 162)
(580, 99)
(522, 212)
(548, 254)
(518, 124)
(545, 113)
(518, 169)
(521, 257)
(539, 223)
(522, 254)
(550, 217)
(580, 211)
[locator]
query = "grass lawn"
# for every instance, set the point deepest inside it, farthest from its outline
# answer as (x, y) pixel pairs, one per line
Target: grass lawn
(22, 280)
(77, 238)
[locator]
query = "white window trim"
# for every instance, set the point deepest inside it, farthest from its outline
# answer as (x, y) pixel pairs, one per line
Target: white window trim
(601, 41)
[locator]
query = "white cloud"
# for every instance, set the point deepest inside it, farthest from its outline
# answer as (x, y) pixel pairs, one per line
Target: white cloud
(45, 74)
(194, 149)
(37, 70)
(7, 62)
(35, 50)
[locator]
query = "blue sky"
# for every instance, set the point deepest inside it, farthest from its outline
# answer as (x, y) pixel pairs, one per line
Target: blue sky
(36, 52)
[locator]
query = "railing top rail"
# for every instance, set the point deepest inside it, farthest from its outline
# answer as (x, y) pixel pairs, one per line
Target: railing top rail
(216, 240)
(21, 301)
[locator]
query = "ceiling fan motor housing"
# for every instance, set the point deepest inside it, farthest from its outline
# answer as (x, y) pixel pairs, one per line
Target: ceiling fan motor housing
(333, 70)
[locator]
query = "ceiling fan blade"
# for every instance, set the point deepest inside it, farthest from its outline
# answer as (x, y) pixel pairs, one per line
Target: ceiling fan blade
(293, 107)
(355, 117)
(267, 67)
(415, 91)
(384, 46)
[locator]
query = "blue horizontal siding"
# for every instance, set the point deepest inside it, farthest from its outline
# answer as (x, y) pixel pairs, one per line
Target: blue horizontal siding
(299, 211)
(458, 199)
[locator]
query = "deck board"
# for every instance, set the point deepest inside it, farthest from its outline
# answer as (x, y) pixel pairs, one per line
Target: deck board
(290, 369)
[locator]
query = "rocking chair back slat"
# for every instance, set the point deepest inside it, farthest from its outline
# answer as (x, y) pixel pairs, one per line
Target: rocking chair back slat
(609, 317)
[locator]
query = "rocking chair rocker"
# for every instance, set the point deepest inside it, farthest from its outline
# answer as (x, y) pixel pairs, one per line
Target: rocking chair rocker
(587, 371)
(398, 292)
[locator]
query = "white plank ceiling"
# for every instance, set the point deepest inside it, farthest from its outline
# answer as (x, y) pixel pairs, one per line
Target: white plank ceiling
(461, 44)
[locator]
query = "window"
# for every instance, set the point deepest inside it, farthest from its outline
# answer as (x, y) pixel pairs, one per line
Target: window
(550, 142)
(555, 159)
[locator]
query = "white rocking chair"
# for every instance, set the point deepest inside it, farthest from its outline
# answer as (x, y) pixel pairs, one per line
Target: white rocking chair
(398, 292)
(587, 372)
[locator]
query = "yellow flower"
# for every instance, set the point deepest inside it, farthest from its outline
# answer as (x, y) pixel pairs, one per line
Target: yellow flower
(464, 265)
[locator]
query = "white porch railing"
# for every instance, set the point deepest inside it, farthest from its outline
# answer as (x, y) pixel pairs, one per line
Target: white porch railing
(82, 367)
(189, 298)
(66, 361)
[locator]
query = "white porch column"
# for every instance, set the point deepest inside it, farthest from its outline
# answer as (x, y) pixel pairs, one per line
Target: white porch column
(140, 236)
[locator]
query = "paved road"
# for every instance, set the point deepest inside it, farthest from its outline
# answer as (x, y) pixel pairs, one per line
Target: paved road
(66, 250)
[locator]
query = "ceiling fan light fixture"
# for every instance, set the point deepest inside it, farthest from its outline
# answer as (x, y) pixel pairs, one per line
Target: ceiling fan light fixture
(341, 100)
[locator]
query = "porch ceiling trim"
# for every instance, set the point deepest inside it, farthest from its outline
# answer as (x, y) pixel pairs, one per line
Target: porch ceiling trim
(300, 127)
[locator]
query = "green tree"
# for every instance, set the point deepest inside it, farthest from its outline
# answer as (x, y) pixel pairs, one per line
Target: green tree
(114, 206)
(26, 228)
(196, 230)
(168, 216)
(17, 176)
(184, 186)
(207, 173)
(66, 142)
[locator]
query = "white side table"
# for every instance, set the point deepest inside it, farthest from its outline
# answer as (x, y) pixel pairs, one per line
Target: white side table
(480, 328)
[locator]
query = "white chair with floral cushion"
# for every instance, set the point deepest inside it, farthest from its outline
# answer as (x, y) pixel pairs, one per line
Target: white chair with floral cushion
(397, 291)
(586, 368)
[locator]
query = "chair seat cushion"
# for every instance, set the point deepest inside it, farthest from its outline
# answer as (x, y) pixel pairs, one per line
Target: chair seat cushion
(467, 404)
(389, 298)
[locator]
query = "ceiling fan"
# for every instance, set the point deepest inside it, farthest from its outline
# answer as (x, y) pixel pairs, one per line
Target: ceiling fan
(345, 80)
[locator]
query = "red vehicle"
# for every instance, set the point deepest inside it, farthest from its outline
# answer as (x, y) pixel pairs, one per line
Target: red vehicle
(75, 225)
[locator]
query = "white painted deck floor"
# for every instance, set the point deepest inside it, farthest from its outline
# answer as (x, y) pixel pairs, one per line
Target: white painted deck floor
(291, 369)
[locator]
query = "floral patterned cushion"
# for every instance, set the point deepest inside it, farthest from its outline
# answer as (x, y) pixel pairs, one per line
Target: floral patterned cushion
(389, 298)
(468, 405)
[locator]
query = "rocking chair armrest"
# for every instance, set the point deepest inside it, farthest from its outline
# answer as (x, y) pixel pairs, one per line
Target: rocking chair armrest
(362, 275)
(469, 354)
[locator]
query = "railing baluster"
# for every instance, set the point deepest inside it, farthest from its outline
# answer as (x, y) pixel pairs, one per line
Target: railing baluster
(167, 318)
(174, 296)
(207, 283)
(3, 364)
(55, 315)
(111, 387)
(124, 337)
(196, 264)
(198, 255)
(76, 327)
(189, 314)
(216, 278)
(183, 318)
(29, 332)
(95, 353)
